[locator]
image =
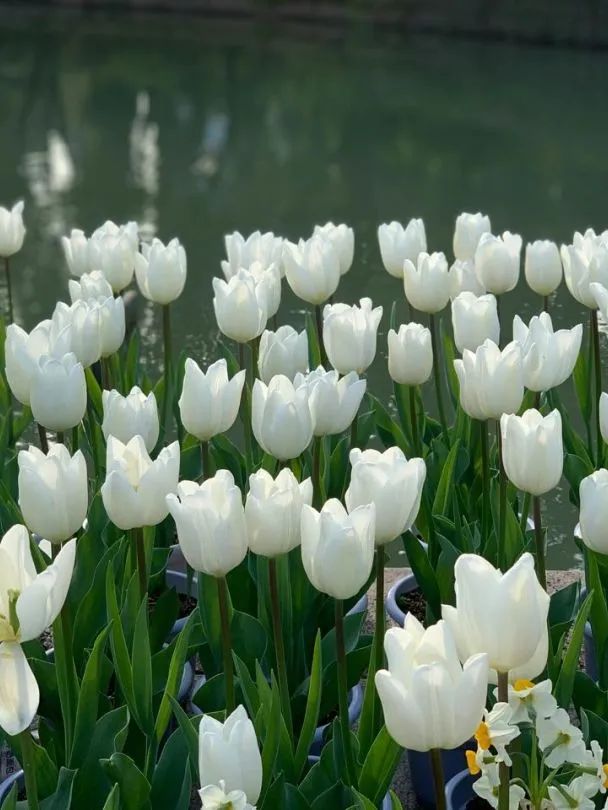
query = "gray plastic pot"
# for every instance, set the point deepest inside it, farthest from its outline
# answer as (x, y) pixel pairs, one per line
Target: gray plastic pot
(386, 801)
(7, 785)
(421, 771)
(459, 791)
(406, 584)
(355, 705)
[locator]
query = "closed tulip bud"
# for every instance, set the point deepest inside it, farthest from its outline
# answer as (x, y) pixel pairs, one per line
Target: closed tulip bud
(97, 324)
(474, 320)
(160, 271)
(22, 353)
(282, 352)
(240, 306)
(548, 357)
(468, 231)
(334, 401)
(604, 416)
(532, 450)
(343, 239)
(228, 752)
(491, 380)
(209, 402)
(133, 415)
(53, 492)
(503, 615)
(29, 603)
(12, 230)
(593, 493)
(58, 395)
(281, 418)
(135, 488)
(210, 521)
(265, 248)
(332, 537)
(273, 509)
(543, 266)
(312, 268)
(428, 698)
(91, 285)
(410, 354)
(427, 285)
(349, 335)
(76, 251)
(392, 483)
(268, 280)
(584, 265)
(398, 244)
(497, 261)
(463, 278)
(112, 249)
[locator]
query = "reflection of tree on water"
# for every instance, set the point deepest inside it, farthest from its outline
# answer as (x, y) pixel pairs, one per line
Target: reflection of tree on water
(144, 155)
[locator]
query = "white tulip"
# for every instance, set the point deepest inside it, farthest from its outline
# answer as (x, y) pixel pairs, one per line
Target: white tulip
(76, 251)
(600, 294)
(209, 402)
(334, 401)
(468, 231)
(112, 249)
(350, 334)
(497, 261)
(584, 265)
(160, 271)
(548, 357)
(97, 324)
(273, 510)
(240, 306)
(604, 416)
(398, 244)
(53, 492)
(410, 354)
(91, 285)
(338, 548)
(532, 450)
(543, 266)
(58, 394)
(12, 230)
(491, 380)
(593, 493)
(312, 268)
(392, 483)
(268, 281)
(265, 248)
(426, 285)
(429, 699)
(463, 278)
(133, 415)
(22, 353)
(135, 488)
(281, 418)
(343, 239)
(474, 320)
(282, 352)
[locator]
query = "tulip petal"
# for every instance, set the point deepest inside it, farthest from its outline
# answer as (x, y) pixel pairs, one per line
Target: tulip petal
(19, 694)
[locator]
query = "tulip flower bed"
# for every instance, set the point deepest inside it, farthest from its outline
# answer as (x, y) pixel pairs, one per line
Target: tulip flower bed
(279, 479)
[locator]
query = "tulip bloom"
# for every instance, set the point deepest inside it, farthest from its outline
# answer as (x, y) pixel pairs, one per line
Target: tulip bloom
(410, 354)
(133, 415)
(312, 268)
(532, 450)
(491, 380)
(268, 282)
(463, 278)
(593, 493)
(282, 352)
(426, 284)
(53, 492)
(604, 416)
(349, 335)
(474, 320)
(240, 306)
(338, 548)
(548, 357)
(334, 401)
(22, 352)
(12, 230)
(160, 271)
(265, 248)
(429, 699)
(135, 488)
(392, 483)
(468, 231)
(97, 324)
(91, 285)
(585, 262)
(76, 251)
(58, 395)
(543, 266)
(112, 249)
(29, 603)
(398, 244)
(497, 261)
(280, 417)
(273, 510)
(343, 239)
(209, 402)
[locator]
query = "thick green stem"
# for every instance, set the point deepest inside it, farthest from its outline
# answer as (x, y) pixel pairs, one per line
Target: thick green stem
(503, 790)
(485, 481)
(44, 442)
(545, 303)
(245, 408)
(379, 632)
(437, 368)
(205, 460)
(319, 324)
(343, 692)
(142, 568)
(438, 779)
(222, 594)
(353, 431)
(317, 495)
(502, 503)
(168, 370)
(525, 511)
(9, 288)
(279, 644)
(75, 438)
(597, 366)
(60, 437)
(106, 374)
(29, 769)
(254, 346)
(540, 543)
(66, 669)
(414, 421)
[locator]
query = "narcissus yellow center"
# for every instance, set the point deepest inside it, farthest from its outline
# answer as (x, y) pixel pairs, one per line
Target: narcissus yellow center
(522, 684)
(605, 779)
(472, 765)
(482, 735)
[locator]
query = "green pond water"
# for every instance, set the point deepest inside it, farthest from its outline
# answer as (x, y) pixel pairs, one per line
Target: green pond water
(196, 129)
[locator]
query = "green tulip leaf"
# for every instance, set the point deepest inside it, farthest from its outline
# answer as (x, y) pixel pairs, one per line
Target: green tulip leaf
(379, 766)
(133, 785)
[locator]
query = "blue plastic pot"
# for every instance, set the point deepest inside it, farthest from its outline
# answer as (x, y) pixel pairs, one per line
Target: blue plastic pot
(421, 771)
(355, 704)
(386, 801)
(406, 584)
(459, 791)
(7, 785)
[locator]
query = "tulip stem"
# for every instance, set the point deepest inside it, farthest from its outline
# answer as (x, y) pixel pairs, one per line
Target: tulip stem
(438, 778)
(503, 790)
(44, 442)
(353, 431)
(597, 363)
(205, 460)
(485, 480)
(414, 421)
(545, 303)
(167, 365)
(437, 367)
(316, 472)
(343, 692)
(379, 630)
(29, 769)
(502, 502)
(142, 572)
(246, 408)
(319, 323)
(222, 593)
(60, 437)
(525, 511)
(75, 438)
(106, 376)
(540, 542)
(279, 645)
(9, 288)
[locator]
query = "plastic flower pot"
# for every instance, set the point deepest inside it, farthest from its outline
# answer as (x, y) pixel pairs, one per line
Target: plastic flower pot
(405, 585)
(459, 791)
(421, 771)
(589, 657)
(7, 785)
(386, 801)
(355, 704)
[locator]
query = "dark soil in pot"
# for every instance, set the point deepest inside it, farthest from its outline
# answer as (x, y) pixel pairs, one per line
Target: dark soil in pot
(477, 804)
(413, 602)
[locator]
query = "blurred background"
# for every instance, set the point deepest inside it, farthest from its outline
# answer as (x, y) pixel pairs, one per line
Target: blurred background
(278, 116)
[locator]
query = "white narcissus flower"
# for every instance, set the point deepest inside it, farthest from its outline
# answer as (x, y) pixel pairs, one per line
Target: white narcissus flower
(548, 357)
(280, 417)
(22, 353)
(133, 415)
(338, 548)
(53, 492)
(497, 730)
(392, 483)
(229, 752)
(578, 796)
(312, 268)
(596, 771)
(12, 230)
(91, 285)
(135, 488)
(529, 700)
(564, 740)
(112, 249)
(160, 271)
(76, 251)
(209, 402)
(58, 394)
(398, 244)
(240, 306)
(497, 261)
(593, 517)
(410, 354)
(474, 320)
(491, 380)
(532, 450)
(265, 248)
(214, 797)
(468, 231)
(429, 699)
(463, 278)
(282, 352)
(426, 284)
(486, 787)
(585, 262)
(273, 510)
(210, 520)
(29, 603)
(333, 400)
(350, 335)
(343, 239)
(543, 266)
